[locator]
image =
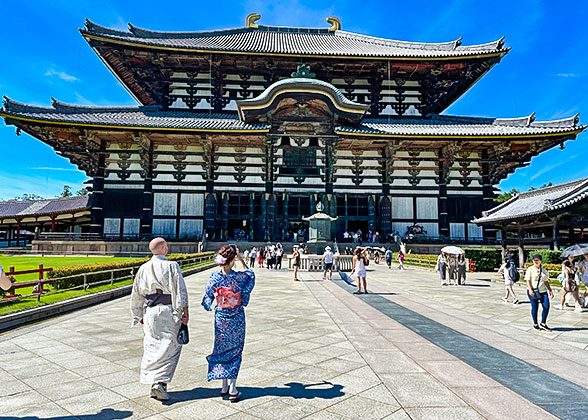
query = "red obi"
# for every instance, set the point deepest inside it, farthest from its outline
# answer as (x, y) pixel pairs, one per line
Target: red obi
(226, 298)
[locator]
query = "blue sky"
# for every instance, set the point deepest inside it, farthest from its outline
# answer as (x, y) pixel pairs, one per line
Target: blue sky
(546, 72)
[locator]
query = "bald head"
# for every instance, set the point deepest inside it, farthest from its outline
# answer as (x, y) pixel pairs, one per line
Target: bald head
(158, 246)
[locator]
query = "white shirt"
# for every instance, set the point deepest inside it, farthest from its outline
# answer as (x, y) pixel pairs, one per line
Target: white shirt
(504, 270)
(328, 255)
(583, 267)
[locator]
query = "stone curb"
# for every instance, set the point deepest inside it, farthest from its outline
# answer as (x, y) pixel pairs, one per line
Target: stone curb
(27, 316)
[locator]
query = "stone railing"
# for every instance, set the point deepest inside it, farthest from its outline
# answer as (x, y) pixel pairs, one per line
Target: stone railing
(315, 262)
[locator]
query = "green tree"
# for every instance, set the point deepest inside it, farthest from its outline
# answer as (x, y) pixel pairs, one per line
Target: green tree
(27, 196)
(505, 196)
(549, 184)
(66, 191)
(83, 191)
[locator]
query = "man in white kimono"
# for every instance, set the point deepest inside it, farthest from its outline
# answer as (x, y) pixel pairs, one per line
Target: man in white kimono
(159, 301)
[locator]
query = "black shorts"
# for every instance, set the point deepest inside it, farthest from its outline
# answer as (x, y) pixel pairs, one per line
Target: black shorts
(329, 266)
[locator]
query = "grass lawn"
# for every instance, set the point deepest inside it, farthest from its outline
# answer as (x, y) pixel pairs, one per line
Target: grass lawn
(6, 308)
(22, 263)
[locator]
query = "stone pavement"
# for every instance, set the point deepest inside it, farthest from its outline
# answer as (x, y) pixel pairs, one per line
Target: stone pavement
(313, 350)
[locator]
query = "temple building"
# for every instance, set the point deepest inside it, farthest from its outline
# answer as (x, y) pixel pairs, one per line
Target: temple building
(553, 216)
(248, 129)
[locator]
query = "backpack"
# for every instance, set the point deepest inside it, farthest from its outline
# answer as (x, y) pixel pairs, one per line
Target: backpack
(513, 273)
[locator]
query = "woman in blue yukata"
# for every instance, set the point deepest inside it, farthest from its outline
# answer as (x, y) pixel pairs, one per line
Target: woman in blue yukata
(231, 289)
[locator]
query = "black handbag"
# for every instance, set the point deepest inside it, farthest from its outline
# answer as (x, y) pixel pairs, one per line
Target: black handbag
(537, 294)
(183, 336)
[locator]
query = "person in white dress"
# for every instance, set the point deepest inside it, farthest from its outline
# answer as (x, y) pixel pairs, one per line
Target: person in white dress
(159, 301)
(359, 263)
(505, 270)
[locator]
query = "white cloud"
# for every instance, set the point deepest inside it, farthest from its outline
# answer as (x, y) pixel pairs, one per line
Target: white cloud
(568, 75)
(62, 75)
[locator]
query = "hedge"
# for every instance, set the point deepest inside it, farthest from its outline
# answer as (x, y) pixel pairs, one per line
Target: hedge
(67, 283)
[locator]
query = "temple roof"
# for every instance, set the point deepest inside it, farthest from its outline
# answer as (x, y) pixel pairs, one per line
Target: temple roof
(537, 202)
(51, 206)
(290, 41)
(154, 118)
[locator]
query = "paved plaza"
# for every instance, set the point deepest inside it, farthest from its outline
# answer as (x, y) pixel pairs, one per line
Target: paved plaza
(409, 350)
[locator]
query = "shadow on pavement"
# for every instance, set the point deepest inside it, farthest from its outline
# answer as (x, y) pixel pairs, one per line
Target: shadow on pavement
(104, 414)
(569, 329)
(294, 390)
(475, 285)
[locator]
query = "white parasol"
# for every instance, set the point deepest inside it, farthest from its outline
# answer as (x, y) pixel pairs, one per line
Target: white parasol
(451, 249)
(575, 250)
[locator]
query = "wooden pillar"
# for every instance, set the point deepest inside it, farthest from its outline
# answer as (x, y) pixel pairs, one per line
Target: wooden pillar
(211, 200)
(269, 199)
(286, 221)
(487, 188)
(269, 165)
(18, 226)
(556, 234)
(503, 242)
(251, 215)
(443, 210)
(96, 200)
(52, 223)
(329, 163)
(521, 247)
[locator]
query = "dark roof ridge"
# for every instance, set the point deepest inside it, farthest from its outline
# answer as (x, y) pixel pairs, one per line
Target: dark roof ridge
(10, 105)
(74, 108)
(552, 188)
(90, 26)
(582, 185)
(73, 197)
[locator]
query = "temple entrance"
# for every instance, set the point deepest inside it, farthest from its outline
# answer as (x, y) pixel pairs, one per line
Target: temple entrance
(297, 231)
(239, 229)
(355, 225)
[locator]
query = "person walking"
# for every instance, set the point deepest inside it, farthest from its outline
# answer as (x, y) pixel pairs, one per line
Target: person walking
(583, 270)
(279, 255)
(260, 255)
(569, 285)
(377, 257)
(252, 256)
(509, 270)
(232, 290)
(389, 254)
(452, 268)
(327, 263)
(159, 302)
(537, 279)
(461, 269)
(401, 261)
(441, 268)
(360, 260)
(296, 261)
